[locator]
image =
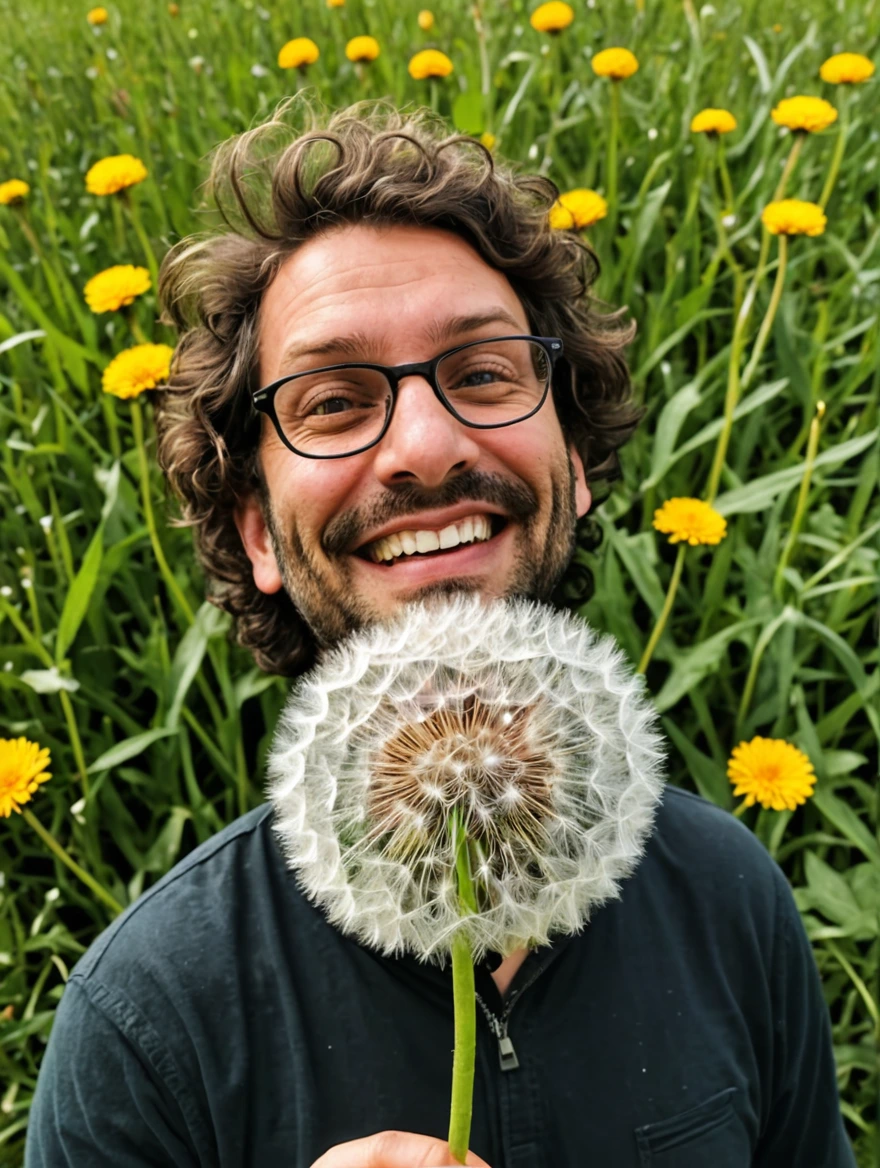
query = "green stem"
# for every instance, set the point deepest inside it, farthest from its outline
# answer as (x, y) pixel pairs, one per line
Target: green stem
(790, 164)
(767, 322)
(149, 254)
(611, 160)
(725, 177)
(50, 841)
(742, 808)
(667, 608)
(168, 576)
(812, 447)
(464, 1003)
(837, 156)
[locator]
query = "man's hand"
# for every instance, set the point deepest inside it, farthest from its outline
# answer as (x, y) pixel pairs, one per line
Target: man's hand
(393, 1149)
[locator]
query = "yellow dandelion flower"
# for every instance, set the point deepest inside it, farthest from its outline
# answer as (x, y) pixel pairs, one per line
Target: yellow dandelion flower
(136, 369)
(22, 769)
(777, 27)
(97, 16)
(846, 68)
(810, 114)
(298, 53)
(488, 140)
(690, 520)
(173, 9)
(578, 208)
(426, 20)
(552, 17)
(362, 48)
(772, 772)
(615, 63)
(116, 287)
(713, 121)
(13, 191)
(115, 174)
(430, 63)
(794, 217)
(335, 3)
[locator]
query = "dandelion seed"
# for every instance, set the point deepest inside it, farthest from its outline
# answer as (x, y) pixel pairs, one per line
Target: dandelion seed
(533, 689)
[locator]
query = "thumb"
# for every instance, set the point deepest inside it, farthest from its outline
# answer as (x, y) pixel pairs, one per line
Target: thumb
(394, 1149)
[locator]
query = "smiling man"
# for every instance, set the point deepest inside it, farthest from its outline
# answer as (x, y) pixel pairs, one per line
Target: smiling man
(392, 383)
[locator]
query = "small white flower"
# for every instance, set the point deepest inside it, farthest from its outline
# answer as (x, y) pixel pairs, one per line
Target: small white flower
(652, 134)
(7, 666)
(53, 894)
(45, 522)
(196, 63)
(535, 731)
(112, 54)
(27, 582)
(5, 590)
(192, 33)
(92, 73)
(533, 152)
(665, 368)
(259, 70)
(728, 220)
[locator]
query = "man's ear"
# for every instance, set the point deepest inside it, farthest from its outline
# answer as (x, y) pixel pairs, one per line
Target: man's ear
(255, 537)
(583, 496)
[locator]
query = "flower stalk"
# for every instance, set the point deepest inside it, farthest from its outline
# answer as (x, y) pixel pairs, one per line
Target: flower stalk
(464, 1003)
(812, 447)
(55, 847)
(837, 156)
(667, 608)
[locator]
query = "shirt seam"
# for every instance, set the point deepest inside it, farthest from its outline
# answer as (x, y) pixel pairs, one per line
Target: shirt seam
(121, 1013)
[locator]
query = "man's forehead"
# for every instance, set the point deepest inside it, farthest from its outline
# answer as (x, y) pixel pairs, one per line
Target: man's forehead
(355, 288)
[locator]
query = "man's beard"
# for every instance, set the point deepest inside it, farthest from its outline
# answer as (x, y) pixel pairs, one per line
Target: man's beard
(331, 606)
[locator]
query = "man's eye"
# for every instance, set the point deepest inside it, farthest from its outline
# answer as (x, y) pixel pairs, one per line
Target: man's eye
(328, 406)
(474, 377)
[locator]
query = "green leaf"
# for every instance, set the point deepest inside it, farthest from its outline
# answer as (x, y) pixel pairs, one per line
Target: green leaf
(847, 822)
(639, 555)
(760, 493)
(210, 622)
(76, 602)
(692, 665)
(829, 891)
(710, 779)
(128, 748)
(166, 847)
(467, 112)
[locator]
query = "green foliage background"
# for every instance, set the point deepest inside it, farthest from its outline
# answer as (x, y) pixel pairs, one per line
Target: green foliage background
(158, 725)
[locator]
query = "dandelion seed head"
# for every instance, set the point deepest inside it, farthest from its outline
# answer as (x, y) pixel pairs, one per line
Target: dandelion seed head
(519, 718)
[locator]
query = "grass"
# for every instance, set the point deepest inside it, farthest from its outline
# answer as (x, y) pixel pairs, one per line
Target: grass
(158, 726)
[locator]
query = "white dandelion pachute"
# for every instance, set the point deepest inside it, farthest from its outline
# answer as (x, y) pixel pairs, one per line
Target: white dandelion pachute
(466, 777)
(518, 716)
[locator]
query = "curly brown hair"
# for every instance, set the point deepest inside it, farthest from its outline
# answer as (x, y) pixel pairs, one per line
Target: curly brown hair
(277, 187)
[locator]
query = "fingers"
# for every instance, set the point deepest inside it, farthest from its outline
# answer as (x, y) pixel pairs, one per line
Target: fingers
(393, 1149)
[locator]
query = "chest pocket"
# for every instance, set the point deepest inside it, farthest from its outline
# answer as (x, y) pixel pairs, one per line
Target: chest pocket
(708, 1134)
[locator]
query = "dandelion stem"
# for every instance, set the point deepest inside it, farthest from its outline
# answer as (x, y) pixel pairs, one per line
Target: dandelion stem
(464, 1003)
(741, 809)
(53, 844)
(149, 254)
(812, 447)
(725, 177)
(767, 322)
(667, 608)
(611, 160)
(173, 586)
(837, 156)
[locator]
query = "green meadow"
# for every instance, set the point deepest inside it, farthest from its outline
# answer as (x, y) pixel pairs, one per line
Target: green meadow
(756, 358)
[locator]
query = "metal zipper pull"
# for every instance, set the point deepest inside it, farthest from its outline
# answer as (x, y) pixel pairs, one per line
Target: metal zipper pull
(506, 1053)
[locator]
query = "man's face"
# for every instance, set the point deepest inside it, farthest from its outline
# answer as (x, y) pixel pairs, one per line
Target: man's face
(394, 296)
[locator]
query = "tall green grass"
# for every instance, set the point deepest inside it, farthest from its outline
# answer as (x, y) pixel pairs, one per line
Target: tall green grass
(158, 727)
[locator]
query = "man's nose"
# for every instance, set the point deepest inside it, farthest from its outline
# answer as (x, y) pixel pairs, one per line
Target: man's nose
(424, 441)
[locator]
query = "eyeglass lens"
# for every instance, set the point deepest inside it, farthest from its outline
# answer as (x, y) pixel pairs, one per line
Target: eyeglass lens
(339, 411)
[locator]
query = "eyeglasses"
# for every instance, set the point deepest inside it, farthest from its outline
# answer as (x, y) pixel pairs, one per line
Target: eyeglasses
(340, 410)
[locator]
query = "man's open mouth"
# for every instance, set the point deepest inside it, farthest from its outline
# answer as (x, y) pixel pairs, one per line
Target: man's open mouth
(422, 543)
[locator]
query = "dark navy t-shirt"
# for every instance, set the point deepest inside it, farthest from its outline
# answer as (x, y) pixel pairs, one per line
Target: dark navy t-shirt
(222, 1021)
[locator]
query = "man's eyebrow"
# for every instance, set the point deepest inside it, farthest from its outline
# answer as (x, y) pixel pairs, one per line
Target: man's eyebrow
(359, 346)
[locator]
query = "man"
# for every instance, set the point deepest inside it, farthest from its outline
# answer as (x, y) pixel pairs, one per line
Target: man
(369, 310)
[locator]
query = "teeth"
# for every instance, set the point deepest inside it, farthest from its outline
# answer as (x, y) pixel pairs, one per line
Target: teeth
(473, 528)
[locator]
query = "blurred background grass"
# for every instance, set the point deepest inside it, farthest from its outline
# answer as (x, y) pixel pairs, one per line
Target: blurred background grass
(158, 726)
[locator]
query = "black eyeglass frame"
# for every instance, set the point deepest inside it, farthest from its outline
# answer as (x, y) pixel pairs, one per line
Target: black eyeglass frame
(264, 399)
